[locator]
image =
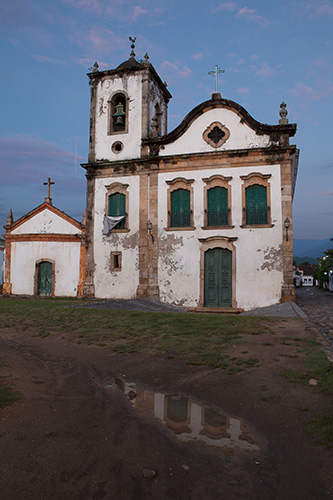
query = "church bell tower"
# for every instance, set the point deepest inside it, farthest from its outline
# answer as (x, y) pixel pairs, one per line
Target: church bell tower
(128, 104)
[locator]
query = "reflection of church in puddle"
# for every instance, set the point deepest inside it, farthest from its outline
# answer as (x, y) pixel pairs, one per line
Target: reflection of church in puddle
(191, 422)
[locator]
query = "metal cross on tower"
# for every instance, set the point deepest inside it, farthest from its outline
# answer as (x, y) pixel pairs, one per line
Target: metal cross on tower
(216, 72)
(48, 184)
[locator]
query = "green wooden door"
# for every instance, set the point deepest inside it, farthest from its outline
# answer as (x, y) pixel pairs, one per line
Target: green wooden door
(45, 278)
(217, 206)
(218, 278)
(256, 204)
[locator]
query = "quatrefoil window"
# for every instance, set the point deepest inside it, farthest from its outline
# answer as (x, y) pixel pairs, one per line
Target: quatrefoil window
(216, 134)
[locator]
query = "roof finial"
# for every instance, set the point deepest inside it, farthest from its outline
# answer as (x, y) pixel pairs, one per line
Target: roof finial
(10, 218)
(132, 46)
(146, 57)
(283, 114)
(94, 68)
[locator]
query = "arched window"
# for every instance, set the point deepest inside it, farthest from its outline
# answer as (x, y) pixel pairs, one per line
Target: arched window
(117, 208)
(256, 204)
(158, 115)
(217, 207)
(180, 213)
(118, 114)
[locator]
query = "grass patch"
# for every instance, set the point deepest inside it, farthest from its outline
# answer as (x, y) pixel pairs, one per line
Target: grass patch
(198, 339)
(7, 396)
(320, 430)
(316, 366)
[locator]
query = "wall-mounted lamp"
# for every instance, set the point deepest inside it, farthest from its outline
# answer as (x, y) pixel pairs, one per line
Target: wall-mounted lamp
(287, 226)
(150, 227)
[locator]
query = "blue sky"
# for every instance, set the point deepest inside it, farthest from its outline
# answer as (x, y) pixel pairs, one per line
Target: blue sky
(270, 51)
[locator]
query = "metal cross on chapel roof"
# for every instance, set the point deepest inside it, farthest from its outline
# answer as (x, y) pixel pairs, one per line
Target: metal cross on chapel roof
(216, 72)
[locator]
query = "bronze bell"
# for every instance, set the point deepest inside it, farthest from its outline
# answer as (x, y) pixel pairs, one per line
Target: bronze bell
(119, 115)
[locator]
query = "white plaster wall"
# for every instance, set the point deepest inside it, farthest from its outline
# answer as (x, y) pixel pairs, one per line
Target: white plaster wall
(46, 222)
(66, 256)
(120, 284)
(259, 272)
(241, 135)
(132, 86)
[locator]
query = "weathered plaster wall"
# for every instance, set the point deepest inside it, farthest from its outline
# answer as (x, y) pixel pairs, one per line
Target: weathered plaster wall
(25, 254)
(241, 135)
(156, 97)
(46, 222)
(117, 284)
(259, 272)
(132, 139)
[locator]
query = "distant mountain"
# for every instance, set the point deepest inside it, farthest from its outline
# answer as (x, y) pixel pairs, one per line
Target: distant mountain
(310, 250)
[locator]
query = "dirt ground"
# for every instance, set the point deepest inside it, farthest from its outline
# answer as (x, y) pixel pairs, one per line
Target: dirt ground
(74, 434)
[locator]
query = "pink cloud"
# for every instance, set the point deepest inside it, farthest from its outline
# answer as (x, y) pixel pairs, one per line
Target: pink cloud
(137, 11)
(29, 157)
(250, 15)
(302, 91)
(98, 41)
(174, 71)
(325, 9)
(50, 60)
(27, 161)
(243, 91)
(231, 6)
(197, 57)
(321, 62)
(267, 71)
(92, 5)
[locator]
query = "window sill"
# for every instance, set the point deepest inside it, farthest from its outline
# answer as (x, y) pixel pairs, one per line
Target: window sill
(118, 231)
(259, 226)
(119, 132)
(217, 227)
(185, 228)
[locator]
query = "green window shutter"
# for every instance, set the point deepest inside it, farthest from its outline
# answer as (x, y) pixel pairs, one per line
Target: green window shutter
(117, 207)
(217, 207)
(180, 208)
(256, 204)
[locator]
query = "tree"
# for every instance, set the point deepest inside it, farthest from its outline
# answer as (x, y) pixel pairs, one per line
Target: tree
(321, 273)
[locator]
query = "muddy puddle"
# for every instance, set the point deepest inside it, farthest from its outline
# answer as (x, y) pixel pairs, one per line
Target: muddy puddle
(190, 421)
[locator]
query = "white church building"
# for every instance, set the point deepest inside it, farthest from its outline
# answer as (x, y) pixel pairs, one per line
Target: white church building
(200, 217)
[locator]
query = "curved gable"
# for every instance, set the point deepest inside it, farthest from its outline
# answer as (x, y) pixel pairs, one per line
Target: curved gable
(228, 123)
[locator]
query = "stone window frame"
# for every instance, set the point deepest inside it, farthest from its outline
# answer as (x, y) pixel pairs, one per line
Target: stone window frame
(262, 180)
(180, 183)
(52, 262)
(221, 141)
(118, 187)
(210, 243)
(217, 180)
(111, 106)
(114, 257)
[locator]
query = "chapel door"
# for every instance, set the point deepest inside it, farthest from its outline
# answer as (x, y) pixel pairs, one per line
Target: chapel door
(44, 278)
(218, 278)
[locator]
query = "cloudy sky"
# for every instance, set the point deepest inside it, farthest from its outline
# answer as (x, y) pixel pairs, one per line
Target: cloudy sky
(270, 51)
